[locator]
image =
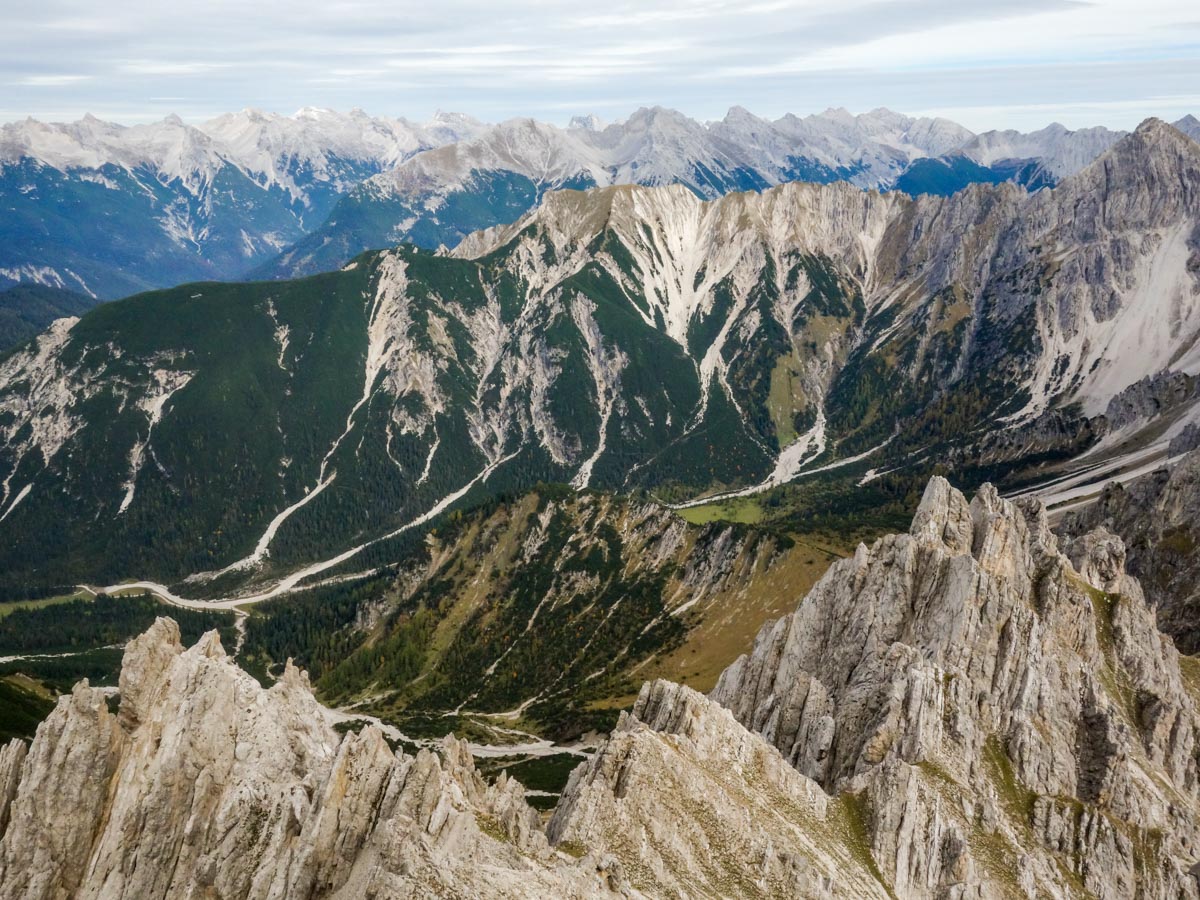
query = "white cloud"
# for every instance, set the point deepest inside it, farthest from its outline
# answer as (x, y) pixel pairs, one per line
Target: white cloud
(165, 67)
(1006, 61)
(38, 81)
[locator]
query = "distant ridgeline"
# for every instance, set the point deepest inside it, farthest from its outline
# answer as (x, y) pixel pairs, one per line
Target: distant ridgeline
(109, 211)
(28, 309)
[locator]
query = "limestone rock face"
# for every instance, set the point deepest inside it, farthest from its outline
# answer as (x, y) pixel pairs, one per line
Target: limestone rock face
(206, 785)
(1155, 516)
(12, 755)
(60, 798)
(1006, 714)
(692, 804)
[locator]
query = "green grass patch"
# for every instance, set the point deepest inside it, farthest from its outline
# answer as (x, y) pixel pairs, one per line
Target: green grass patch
(999, 859)
(744, 510)
(780, 400)
(1104, 605)
(856, 818)
(937, 771)
(491, 827)
(7, 608)
(1017, 798)
(572, 848)
(1179, 541)
(1189, 669)
(1111, 676)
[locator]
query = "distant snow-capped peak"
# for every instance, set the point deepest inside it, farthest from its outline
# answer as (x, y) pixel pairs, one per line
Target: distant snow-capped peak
(170, 148)
(654, 145)
(1061, 150)
(267, 146)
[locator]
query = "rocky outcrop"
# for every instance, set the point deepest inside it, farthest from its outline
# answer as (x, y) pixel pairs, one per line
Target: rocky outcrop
(12, 755)
(204, 784)
(1153, 396)
(692, 804)
(1187, 440)
(1006, 714)
(1155, 516)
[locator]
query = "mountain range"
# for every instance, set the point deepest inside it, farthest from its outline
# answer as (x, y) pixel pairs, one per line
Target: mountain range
(241, 440)
(108, 210)
(568, 512)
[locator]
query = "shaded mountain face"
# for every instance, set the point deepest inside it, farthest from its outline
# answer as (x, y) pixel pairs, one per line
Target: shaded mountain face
(26, 310)
(967, 709)
(439, 197)
(1155, 515)
(620, 338)
(108, 210)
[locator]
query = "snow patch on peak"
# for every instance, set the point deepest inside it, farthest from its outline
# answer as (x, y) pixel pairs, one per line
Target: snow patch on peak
(589, 122)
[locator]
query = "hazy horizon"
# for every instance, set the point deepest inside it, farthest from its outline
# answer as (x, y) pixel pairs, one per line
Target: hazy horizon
(985, 64)
(564, 121)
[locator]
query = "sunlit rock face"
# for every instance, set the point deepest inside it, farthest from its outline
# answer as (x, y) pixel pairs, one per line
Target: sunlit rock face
(1004, 707)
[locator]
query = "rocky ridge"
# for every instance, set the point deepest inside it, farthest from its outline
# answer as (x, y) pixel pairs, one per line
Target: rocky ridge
(968, 710)
(1004, 708)
(203, 784)
(694, 805)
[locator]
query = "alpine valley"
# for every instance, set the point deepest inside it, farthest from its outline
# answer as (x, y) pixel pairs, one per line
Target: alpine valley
(270, 435)
(637, 457)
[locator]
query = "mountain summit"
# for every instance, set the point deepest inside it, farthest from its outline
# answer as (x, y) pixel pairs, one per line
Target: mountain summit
(110, 210)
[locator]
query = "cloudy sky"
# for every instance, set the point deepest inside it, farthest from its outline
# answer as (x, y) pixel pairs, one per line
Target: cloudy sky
(985, 63)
